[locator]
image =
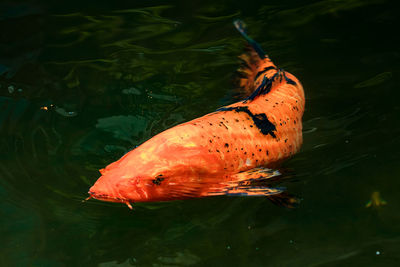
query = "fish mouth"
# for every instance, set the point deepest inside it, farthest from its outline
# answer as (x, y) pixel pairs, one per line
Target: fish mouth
(105, 197)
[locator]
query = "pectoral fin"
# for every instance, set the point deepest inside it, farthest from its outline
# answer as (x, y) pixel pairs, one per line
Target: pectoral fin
(247, 190)
(249, 183)
(257, 182)
(256, 174)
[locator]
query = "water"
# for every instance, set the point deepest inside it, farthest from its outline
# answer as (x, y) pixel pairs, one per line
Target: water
(111, 75)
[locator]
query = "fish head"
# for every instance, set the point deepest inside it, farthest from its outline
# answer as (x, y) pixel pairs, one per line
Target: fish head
(158, 170)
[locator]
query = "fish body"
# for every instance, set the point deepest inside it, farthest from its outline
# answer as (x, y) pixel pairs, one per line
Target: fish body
(216, 154)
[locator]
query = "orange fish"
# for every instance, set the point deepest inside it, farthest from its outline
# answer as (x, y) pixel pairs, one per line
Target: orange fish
(224, 152)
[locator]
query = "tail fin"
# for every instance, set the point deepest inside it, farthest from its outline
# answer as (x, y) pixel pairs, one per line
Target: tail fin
(241, 27)
(254, 62)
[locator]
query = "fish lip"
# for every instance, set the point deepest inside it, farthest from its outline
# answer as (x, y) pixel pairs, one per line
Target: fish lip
(105, 197)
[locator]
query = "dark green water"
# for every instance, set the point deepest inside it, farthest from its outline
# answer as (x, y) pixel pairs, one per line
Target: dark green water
(118, 73)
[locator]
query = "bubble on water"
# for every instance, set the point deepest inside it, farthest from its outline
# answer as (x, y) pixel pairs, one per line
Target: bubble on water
(11, 89)
(378, 253)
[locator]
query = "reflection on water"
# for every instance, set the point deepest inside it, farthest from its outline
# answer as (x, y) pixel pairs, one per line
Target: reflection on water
(113, 75)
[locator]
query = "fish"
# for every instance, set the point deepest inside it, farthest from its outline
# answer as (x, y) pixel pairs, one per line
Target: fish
(232, 151)
(376, 200)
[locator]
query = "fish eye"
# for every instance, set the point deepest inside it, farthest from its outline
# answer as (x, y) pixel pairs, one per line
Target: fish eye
(158, 179)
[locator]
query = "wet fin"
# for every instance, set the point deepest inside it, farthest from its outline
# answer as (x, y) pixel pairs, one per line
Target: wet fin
(248, 190)
(250, 183)
(247, 71)
(253, 182)
(256, 174)
(257, 182)
(241, 27)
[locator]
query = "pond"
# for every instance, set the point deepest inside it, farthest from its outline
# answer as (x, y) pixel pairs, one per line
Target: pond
(84, 82)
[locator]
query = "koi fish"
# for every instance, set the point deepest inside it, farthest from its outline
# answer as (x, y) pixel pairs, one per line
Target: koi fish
(221, 153)
(376, 200)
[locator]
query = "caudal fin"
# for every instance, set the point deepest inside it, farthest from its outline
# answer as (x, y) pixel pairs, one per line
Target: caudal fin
(254, 62)
(241, 27)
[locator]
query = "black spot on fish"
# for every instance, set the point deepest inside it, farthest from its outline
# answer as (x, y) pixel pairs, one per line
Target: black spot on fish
(260, 120)
(210, 141)
(226, 145)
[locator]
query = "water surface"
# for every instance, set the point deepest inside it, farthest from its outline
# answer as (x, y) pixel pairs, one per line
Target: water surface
(112, 75)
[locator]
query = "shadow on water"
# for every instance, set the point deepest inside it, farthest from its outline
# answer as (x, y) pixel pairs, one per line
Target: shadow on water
(83, 83)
